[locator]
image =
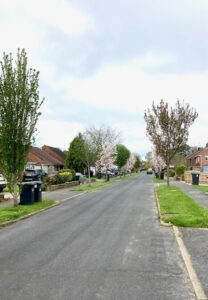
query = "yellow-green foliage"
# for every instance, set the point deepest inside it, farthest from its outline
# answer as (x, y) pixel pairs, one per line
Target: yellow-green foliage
(65, 176)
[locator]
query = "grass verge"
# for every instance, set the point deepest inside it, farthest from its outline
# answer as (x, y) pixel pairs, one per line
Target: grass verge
(202, 188)
(157, 180)
(14, 213)
(92, 186)
(179, 209)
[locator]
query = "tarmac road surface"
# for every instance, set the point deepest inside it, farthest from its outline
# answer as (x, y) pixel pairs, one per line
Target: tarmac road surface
(106, 244)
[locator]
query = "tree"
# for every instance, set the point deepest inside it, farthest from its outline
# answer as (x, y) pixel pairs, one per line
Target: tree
(123, 155)
(76, 159)
(100, 136)
(137, 163)
(90, 153)
(148, 158)
(19, 112)
(129, 164)
(107, 157)
(168, 128)
(158, 163)
(131, 161)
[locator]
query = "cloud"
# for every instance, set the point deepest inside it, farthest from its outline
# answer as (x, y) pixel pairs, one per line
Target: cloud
(57, 133)
(106, 61)
(128, 87)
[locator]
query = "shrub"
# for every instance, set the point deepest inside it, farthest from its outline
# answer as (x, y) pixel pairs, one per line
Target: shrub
(59, 178)
(180, 170)
(68, 171)
(64, 177)
(172, 173)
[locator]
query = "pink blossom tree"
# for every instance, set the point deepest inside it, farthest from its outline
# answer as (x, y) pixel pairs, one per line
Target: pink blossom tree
(131, 161)
(129, 164)
(106, 158)
(157, 162)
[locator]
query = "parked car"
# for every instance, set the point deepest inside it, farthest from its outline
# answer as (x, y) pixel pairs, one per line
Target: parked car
(41, 172)
(80, 177)
(2, 183)
(149, 171)
(31, 175)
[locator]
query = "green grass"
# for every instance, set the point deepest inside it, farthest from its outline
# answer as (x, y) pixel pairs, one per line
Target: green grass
(179, 209)
(157, 180)
(92, 186)
(202, 188)
(13, 213)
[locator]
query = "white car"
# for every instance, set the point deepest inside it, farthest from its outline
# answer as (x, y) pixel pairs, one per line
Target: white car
(2, 183)
(149, 171)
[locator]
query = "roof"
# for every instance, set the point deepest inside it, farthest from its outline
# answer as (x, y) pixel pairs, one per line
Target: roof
(37, 155)
(197, 153)
(56, 153)
(192, 155)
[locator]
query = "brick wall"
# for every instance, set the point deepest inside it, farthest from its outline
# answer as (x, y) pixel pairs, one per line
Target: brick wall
(203, 177)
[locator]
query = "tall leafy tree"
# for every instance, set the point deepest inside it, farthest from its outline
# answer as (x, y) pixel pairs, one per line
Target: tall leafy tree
(123, 155)
(90, 152)
(137, 163)
(168, 128)
(102, 135)
(19, 112)
(76, 159)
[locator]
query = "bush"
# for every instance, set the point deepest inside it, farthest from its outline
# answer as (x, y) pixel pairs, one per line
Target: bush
(180, 170)
(172, 173)
(59, 178)
(64, 177)
(70, 171)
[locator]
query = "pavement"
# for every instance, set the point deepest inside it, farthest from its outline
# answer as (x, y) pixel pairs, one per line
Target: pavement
(60, 195)
(196, 240)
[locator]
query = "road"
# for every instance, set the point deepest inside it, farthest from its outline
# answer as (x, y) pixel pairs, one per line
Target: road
(105, 244)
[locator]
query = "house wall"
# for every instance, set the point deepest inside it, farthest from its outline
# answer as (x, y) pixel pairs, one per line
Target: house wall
(199, 161)
(203, 177)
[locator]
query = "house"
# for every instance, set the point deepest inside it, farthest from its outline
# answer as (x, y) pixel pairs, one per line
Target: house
(198, 161)
(55, 153)
(39, 159)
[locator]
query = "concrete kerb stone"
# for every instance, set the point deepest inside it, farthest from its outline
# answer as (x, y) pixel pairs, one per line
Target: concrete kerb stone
(159, 212)
(198, 289)
(197, 286)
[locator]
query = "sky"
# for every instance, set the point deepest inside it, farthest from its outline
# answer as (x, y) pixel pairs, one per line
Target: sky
(105, 62)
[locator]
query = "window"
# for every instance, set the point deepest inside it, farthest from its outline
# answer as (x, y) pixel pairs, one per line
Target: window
(206, 157)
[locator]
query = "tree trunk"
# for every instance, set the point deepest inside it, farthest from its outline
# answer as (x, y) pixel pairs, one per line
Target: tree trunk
(16, 193)
(168, 175)
(88, 168)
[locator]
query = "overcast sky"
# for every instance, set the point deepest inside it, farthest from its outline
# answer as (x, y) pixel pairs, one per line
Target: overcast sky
(106, 61)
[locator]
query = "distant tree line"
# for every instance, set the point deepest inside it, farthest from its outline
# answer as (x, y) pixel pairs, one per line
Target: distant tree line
(101, 148)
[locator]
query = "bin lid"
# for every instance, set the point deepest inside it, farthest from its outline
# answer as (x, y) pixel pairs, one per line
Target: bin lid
(30, 182)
